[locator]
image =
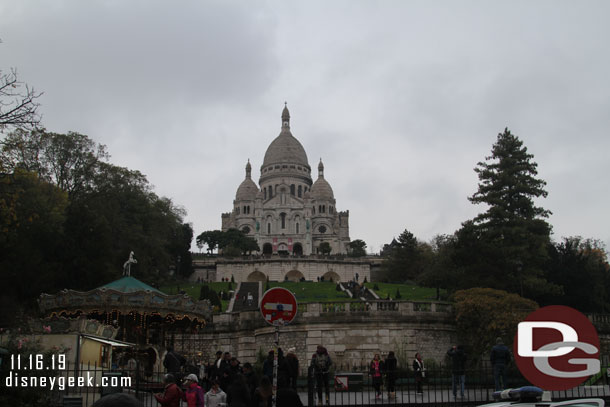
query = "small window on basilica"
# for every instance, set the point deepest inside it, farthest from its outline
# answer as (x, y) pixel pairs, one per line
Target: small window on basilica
(277, 167)
(292, 189)
(297, 228)
(284, 166)
(322, 229)
(268, 228)
(300, 191)
(292, 166)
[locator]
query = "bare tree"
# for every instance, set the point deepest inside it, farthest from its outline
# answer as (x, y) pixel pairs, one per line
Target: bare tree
(18, 105)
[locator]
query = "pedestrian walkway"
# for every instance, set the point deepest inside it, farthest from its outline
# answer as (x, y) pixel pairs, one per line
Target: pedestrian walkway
(246, 296)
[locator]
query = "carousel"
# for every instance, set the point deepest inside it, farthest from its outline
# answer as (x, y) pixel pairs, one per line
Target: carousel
(132, 312)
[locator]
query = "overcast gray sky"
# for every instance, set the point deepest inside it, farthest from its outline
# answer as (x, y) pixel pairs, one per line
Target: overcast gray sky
(401, 99)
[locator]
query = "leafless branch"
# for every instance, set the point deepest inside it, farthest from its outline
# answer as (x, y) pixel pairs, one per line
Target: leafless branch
(18, 105)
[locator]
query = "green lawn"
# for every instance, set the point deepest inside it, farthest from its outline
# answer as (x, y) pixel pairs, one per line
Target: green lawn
(309, 291)
(407, 291)
(193, 289)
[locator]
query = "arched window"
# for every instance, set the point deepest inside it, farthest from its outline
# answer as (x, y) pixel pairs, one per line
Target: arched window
(268, 228)
(292, 189)
(297, 228)
(300, 190)
(320, 208)
(270, 192)
(265, 191)
(283, 218)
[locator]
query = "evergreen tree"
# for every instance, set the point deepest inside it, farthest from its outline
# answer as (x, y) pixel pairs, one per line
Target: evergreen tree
(407, 258)
(357, 248)
(511, 234)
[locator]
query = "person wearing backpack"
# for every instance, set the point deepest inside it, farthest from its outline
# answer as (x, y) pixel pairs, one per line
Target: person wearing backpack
(321, 363)
(193, 395)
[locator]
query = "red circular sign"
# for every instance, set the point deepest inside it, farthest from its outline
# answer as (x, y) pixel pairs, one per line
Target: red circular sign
(278, 306)
(556, 348)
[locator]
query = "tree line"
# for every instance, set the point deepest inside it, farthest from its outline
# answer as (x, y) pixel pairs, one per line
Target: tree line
(69, 219)
(508, 246)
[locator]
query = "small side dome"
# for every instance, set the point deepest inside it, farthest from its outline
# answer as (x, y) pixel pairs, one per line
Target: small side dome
(321, 190)
(247, 190)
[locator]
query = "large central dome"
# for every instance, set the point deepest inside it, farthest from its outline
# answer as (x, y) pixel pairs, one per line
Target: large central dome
(285, 149)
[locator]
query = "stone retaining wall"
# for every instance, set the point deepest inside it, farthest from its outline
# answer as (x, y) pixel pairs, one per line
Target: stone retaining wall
(352, 332)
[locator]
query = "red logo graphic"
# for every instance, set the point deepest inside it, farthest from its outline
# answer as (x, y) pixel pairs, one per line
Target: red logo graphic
(557, 348)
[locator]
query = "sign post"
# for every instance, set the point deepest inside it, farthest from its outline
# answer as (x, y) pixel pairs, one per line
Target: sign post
(279, 308)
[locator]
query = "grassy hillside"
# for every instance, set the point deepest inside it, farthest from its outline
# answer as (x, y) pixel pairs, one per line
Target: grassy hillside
(309, 291)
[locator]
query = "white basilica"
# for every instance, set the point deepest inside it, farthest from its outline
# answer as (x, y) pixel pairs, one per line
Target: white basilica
(289, 213)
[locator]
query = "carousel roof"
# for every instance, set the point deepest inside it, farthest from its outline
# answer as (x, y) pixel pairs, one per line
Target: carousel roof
(125, 295)
(129, 284)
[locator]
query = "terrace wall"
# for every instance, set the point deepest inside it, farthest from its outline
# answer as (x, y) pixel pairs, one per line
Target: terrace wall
(352, 332)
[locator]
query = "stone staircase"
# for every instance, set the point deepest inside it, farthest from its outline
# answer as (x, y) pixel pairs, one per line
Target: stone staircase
(358, 292)
(247, 295)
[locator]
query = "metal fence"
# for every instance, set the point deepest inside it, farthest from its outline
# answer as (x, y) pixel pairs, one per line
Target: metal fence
(355, 387)
(347, 387)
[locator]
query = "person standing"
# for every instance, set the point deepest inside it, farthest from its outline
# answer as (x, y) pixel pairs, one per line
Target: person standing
(251, 377)
(500, 357)
(321, 363)
(193, 395)
(215, 397)
(458, 369)
(376, 369)
(290, 368)
(268, 365)
(390, 365)
(173, 362)
(214, 368)
(172, 394)
(420, 372)
(239, 393)
(263, 394)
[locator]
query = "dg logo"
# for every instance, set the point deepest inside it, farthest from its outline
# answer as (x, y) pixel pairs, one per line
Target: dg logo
(557, 348)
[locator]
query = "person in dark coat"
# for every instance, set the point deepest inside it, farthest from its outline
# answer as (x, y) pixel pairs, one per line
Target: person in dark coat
(268, 365)
(390, 365)
(286, 396)
(458, 369)
(321, 363)
(214, 368)
(251, 377)
(173, 362)
(172, 394)
(263, 394)
(500, 357)
(238, 394)
(290, 368)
